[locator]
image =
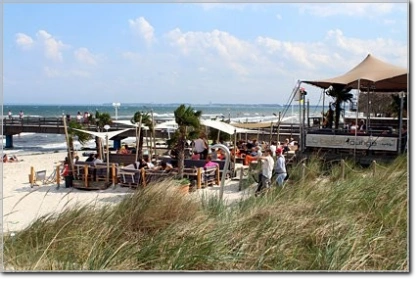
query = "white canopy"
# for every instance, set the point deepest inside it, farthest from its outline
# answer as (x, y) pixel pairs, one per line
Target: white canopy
(222, 126)
(129, 123)
(103, 135)
(167, 125)
(225, 127)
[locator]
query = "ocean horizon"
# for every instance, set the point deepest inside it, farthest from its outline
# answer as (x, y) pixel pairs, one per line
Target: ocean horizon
(29, 143)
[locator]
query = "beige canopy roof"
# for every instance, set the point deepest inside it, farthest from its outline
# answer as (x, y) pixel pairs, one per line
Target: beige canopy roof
(373, 73)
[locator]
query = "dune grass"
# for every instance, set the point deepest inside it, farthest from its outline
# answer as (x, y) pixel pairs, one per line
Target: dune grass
(320, 223)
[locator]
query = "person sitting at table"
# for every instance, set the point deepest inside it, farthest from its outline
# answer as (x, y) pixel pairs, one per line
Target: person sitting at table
(97, 159)
(146, 163)
(209, 163)
(195, 156)
(164, 166)
(123, 150)
(253, 156)
(220, 154)
(90, 158)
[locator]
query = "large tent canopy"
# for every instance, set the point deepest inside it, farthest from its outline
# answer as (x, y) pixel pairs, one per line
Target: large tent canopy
(373, 74)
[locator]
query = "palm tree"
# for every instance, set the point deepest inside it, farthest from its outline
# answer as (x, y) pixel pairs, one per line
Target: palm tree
(82, 138)
(340, 94)
(147, 121)
(100, 120)
(396, 104)
(185, 117)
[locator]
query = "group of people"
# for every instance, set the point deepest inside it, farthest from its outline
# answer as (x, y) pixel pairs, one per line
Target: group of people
(201, 151)
(268, 167)
(11, 115)
(12, 158)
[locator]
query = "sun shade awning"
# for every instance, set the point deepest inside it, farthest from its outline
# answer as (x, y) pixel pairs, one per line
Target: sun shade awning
(372, 73)
(103, 135)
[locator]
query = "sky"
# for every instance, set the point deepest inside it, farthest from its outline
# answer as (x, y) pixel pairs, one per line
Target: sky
(244, 53)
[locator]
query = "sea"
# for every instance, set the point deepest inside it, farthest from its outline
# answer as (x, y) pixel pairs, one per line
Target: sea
(30, 143)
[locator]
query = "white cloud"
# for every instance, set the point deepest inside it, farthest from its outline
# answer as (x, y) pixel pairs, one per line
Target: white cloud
(24, 41)
(228, 6)
(51, 72)
(53, 47)
(143, 28)
(131, 56)
(83, 55)
(216, 45)
(376, 46)
(347, 9)
(80, 73)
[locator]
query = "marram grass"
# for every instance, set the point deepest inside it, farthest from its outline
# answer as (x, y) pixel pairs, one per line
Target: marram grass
(320, 223)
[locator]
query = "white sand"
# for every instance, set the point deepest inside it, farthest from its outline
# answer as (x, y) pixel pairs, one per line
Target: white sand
(23, 204)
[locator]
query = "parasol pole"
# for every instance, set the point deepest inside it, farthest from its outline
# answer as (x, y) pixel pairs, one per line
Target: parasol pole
(70, 157)
(153, 135)
(355, 132)
(235, 151)
(107, 160)
(138, 136)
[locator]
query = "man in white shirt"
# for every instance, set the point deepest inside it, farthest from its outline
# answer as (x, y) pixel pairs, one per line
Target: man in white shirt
(273, 148)
(201, 146)
(267, 165)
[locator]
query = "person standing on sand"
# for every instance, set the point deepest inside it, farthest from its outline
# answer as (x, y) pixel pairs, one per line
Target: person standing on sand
(280, 168)
(10, 114)
(66, 170)
(264, 177)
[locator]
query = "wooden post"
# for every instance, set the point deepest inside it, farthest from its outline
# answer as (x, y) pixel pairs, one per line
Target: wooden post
(153, 137)
(86, 175)
(32, 176)
(199, 178)
(113, 174)
(235, 153)
(342, 168)
(278, 128)
(70, 153)
(144, 182)
(138, 136)
(271, 133)
(107, 160)
(58, 175)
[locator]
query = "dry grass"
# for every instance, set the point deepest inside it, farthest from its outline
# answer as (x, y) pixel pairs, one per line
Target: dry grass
(321, 224)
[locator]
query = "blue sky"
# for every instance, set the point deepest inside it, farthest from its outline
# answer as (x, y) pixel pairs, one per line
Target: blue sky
(192, 53)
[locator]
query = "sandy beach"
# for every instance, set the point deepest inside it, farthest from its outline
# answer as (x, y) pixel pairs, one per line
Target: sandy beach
(22, 204)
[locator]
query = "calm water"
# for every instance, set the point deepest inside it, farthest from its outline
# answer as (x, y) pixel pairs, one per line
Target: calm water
(30, 142)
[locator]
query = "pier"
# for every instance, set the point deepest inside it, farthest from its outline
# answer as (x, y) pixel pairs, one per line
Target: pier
(55, 125)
